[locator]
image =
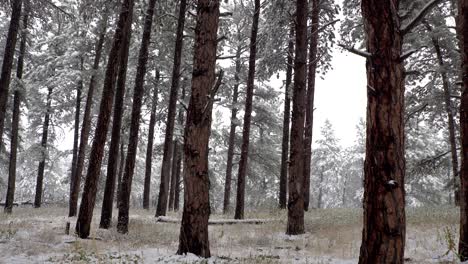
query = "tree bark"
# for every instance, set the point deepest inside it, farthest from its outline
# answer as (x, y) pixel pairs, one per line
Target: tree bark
(85, 215)
(167, 150)
(194, 227)
(319, 198)
(179, 157)
(149, 146)
(295, 225)
(121, 171)
(175, 152)
(10, 197)
(283, 191)
(240, 198)
(383, 236)
(86, 125)
(42, 163)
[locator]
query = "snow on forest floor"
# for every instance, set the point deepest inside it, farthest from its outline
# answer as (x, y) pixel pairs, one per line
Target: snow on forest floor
(333, 236)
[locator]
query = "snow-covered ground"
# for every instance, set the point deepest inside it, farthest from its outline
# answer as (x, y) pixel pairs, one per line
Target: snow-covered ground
(333, 236)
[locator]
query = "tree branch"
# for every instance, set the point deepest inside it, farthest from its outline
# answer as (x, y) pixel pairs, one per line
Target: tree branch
(361, 53)
(413, 23)
(407, 54)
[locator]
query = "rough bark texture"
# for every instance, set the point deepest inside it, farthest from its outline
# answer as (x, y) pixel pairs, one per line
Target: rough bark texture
(295, 224)
(149, 146)
(167, 150)
(240, 197)
(8, 56)
(283, 190)
(309, 124)
(10, 197)
(175, 153)
(383, 236)
(86, 125)
(42, 163)
(194, 227)
(85, 215)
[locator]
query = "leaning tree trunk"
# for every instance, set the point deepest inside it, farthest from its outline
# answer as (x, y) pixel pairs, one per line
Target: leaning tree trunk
(295, 224)
(309, 124)
(463, 38)
(167, 150)
(85, 215)
(194, 227)
(10, 197)
(283, 190)
(138, 92)
(383, 236)
(8, 55)
(86, 125)
(42, 163)
(240, 197)
(149, 146)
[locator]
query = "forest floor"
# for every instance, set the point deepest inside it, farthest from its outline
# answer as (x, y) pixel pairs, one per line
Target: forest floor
(332, 236)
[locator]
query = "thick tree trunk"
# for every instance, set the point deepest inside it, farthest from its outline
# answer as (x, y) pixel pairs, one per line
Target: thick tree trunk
(309, 124)
(149, 146)
(240, 198)
(8, 55)
(86, 125)
(295, 224)
(10, 197)
(383, 237)
(175, 152)
(121, 171)
(42, 163)
(85, 215)
(194, 227)
(132, 148)
(232, 133)
(283, 190)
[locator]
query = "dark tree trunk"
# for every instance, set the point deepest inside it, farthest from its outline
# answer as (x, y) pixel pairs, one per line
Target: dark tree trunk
(309, 124)
(175, 152)
(240, 198)
(8, 56)
(295, 224)
(383, 236)
(121, 170)
(132, 148)
(283, 190)
(42, 163)
(149, 146)
(85, 215)
(167, 150)
(232, 133)
(10, 197)
(319, 198)
(194, 227)
(86, 125)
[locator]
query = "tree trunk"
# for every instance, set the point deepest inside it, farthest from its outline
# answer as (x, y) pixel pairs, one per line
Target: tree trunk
(175, 152)
(319, 198)
(42, 163)
(309, 124)
(10, 197)
(85, 215)
(179, 157)
(149, 146)
(232, 133)
(167, 150)
(194, 227)
(86, 125)
(383, 237)
(283, 191)
(240, 199)
(121, 171)
(295, 224)
(7, 65)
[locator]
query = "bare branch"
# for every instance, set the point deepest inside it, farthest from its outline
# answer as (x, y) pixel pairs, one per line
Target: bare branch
(361, 53)
(407, 54)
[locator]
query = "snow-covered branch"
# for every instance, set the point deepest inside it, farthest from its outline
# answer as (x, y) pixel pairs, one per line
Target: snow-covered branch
(413, 23)
(361, 53)
(407, 54)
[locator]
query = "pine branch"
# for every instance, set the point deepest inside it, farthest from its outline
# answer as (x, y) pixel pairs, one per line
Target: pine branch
(414, 22)
(407, 54)
(361, 53)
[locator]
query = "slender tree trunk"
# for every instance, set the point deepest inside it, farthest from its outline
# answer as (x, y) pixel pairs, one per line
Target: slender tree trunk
(85, 215)
(149, 147)
(10, 197)
(295, 224)
(132, 148)
(383, 236)
(175, 152)
(194, 227)
(8, 55)
(167, 154)
(320, 194)
(42, 163)
(179, 157)
(345, 185)
(283, 191)
(121, 171)
(86, 125)
(314, 32)
(232, 133)
(240, 199)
